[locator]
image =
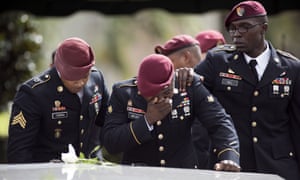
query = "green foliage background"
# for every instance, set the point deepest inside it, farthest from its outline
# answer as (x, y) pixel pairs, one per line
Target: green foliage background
(19, 52)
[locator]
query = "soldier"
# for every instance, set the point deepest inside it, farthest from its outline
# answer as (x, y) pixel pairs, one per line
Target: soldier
(65, 104)
(150, 121)
(264, 105)
(185, 52)
(209, 39)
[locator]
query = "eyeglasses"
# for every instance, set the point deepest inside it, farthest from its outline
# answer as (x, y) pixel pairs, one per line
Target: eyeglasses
(242, 29)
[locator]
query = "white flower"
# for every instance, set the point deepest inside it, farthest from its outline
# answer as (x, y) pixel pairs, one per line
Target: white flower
(69, 157)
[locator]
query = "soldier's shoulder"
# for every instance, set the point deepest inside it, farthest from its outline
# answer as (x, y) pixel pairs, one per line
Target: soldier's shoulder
(132, 82)
(96, 74)
(224, 48)
(286, 54)
(38, 80)
(95, 70)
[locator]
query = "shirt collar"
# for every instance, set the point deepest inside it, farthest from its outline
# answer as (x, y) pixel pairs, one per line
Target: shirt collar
(262, 59)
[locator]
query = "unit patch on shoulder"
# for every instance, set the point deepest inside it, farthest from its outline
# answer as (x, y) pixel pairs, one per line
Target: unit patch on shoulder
(19, 119)
(287, 54)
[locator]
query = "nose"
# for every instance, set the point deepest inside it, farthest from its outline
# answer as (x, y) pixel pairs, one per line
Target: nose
(235, 32)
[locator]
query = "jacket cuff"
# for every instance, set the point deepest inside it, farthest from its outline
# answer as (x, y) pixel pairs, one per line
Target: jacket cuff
(228, 154)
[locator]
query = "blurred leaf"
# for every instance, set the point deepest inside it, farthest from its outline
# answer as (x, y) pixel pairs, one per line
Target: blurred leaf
(19, 52)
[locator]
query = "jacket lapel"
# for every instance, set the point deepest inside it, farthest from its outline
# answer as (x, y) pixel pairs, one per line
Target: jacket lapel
(87, 94)
(237, 64)
(67, 98)
(273, 70)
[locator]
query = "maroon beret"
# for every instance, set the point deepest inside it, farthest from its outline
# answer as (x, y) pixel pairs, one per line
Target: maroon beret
(209, 39)
(155, 72)
(176, 43)
(245, 9)
(73, 59)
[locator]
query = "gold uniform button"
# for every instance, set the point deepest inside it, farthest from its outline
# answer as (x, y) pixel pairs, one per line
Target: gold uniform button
(235, 57)
(158, 123)
(255, 139)
(161, 148)
(215, 150)
(256, 93)
(291, 154)
(282, 95)
(60, 89)
(254, 109)
(253, 124)
(81, 117)
(59, 122)
(181, 118)
(82, 131)
(228, 88)
(160, 136)
(162, 162)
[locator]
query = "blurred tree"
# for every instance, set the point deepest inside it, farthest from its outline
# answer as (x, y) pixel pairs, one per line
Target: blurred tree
(19, 52)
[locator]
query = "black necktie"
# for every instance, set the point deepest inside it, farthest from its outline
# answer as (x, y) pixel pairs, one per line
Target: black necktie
(252, 64)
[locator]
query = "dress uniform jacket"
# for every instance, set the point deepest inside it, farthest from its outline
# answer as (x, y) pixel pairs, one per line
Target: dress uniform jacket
(202, 145)
(265, 114)
(169, 143)
(46, 117)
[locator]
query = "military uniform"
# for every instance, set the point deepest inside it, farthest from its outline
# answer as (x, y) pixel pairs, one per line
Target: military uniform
(46, 117)
(202, 144)
(265, 114)
(169, 144)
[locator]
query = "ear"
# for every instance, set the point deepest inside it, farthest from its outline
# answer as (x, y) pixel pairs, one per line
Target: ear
(265, 27)
(187, 55)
